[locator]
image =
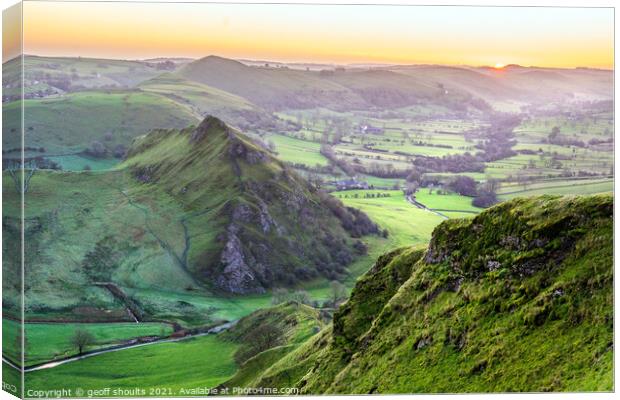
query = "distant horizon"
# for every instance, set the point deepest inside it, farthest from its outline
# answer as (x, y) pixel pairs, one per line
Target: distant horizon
(358, 64)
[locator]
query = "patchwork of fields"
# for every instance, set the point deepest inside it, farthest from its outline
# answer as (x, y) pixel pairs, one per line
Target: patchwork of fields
(102, 187)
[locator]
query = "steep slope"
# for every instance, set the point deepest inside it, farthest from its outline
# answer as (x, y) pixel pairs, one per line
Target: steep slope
(267, 335)
(519, 298)
(196, 212)
(267, 226)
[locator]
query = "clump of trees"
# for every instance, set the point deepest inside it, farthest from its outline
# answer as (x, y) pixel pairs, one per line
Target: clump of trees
(354, 221)
(555, 137)
(281, 295)
(96, 149)
(487, 194)
(463, 185)
(454, 163)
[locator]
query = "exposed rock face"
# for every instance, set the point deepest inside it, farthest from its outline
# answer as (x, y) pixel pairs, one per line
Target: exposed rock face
(237, 277)
(269, 226)
(238, 149)
(209, 124)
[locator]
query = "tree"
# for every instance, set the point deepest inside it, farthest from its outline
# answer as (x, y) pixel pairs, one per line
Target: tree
(411, 188)
(16, 171)
(279, 296)
(82, 338)
(414, 176)
(266, 336)
(487, 194)
(301, 297)
(555, 132)
(97, 149)
(120, 151)
(337, 292)
(463, 185)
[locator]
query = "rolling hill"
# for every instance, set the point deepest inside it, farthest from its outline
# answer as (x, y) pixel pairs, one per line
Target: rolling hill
(202, 210)
(519, 298)
(69, 124)
(515, 83)
(203, 100)
(339, 89)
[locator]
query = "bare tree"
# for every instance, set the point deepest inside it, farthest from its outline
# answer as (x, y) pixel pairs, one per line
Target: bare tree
(267, 336)
(279, 296)
(338, 292)
(81, 338)
(15, 170)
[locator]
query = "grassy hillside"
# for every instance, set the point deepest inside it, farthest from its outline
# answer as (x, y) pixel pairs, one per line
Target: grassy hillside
(189, 218)
(279, 88)
(283, 88)
(519, 298)
(267, 335)
(253, 207)
(69, 124)
(202, 100)
(515, 84)
(201, 362)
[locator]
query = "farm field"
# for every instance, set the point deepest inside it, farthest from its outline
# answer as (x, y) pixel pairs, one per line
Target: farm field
(165, 192)
(407, 224)
(49, 341)
(201, 362)
(77, 162)
(294, 151)
(568, 187)
(446, 202)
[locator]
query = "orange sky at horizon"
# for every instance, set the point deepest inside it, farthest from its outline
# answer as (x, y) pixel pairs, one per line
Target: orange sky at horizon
(546, 37)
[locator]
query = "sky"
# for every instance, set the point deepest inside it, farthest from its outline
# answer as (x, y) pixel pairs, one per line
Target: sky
(11, 32)
(452, 35)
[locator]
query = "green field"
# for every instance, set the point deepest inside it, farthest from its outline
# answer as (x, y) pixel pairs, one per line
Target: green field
(407, 224)
(71, 122)
(566, 187)
(202, 362)
(45, 342)
(445, 202)
(298, 151)
(76, 162)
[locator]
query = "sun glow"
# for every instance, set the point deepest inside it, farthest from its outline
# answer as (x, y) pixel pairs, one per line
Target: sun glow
(499, 66)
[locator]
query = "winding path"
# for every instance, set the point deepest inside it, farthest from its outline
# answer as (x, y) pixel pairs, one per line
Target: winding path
(411, 199)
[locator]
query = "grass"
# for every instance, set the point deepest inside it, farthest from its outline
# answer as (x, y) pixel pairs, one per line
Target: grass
(45, 342)
(202, 362)
(445, 202)
(69, 124)
(89, 72)
(406, 223)
(76, 162)
(576, 188)
(298, 151)
(539, 320)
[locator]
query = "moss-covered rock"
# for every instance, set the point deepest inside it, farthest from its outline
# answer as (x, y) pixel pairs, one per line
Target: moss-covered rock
(519, 298)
